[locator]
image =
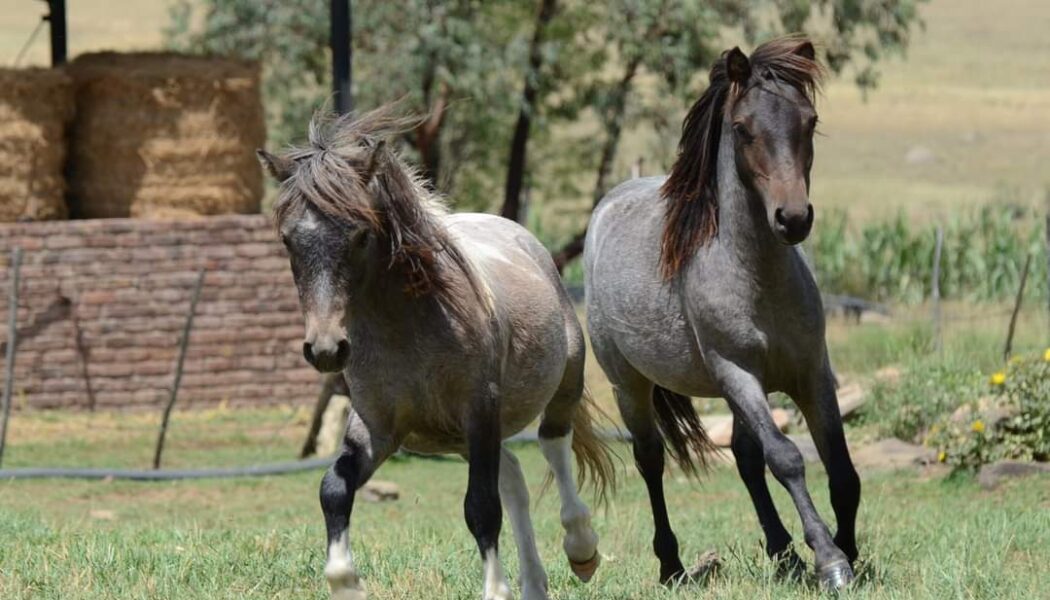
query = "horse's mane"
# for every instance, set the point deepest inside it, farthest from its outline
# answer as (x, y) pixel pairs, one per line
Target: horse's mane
(691, 188)
(346, 172)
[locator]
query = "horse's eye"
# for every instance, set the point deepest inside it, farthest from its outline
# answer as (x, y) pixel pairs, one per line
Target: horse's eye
(811, 126)
(742, 133)
(284, 239)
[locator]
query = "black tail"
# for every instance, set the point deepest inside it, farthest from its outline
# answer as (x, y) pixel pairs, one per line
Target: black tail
(684, 435)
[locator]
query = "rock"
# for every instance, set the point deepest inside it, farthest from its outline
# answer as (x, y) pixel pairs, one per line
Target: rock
(993, 474)
(720, 432)
(851, 397)
(920, 155)
(379, 491)
(720, 427)
(891, 453)
(782, 418)
(806, 447)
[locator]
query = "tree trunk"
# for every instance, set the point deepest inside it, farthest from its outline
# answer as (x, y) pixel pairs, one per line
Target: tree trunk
(613, 130)
(511, 208)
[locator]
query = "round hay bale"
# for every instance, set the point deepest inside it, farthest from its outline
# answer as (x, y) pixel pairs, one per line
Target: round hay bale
(36, 106)
(164, 136)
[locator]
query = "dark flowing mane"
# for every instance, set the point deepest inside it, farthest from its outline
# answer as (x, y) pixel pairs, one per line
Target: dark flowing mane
(691, 189)
(346, 172)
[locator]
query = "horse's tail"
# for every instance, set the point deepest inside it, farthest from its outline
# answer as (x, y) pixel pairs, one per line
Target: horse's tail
(594, 462)
(683, 432)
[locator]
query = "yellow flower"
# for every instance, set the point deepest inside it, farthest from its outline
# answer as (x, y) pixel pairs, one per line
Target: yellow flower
(998, 378)
(978, 426)
(942, 456)
(1046, 355)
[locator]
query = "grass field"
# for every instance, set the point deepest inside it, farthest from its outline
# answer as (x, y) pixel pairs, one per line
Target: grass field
(921, 537)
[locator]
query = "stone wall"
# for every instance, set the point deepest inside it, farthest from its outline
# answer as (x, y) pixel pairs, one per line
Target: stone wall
(103, 302)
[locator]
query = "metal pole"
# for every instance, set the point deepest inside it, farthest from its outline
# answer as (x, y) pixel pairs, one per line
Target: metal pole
(57, 19)
(1017, 309)
(342, 55)
(938, 344)
(178, 369)
(12, 343)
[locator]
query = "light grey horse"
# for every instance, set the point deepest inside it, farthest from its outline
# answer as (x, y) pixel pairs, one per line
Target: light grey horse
(694, 288)
(453, 331)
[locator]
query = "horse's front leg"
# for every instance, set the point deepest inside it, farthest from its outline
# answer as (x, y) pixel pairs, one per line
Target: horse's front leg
(481, 507)
(819, 404)
(361, 455)
(748, 397)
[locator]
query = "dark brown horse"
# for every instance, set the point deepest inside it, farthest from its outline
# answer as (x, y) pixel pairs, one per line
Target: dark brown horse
(695, 288)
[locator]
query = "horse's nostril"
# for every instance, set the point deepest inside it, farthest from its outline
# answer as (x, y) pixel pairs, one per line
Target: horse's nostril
(308, 352)
(778, 216)
(342, 351)
(809, 215)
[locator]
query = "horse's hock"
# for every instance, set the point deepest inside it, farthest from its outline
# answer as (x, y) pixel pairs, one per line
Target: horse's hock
(160, 135)
(36, 106)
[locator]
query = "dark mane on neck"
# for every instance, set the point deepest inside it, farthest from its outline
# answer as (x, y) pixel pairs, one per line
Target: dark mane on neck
(346, 173)
(691, 188)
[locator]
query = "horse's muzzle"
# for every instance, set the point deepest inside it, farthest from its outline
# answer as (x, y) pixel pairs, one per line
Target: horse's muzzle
(327, 357)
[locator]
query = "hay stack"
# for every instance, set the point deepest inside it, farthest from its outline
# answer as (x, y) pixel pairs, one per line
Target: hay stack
(161, 136)
(36, 105)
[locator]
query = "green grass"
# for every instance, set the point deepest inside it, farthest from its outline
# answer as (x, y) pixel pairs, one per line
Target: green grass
(263, 538)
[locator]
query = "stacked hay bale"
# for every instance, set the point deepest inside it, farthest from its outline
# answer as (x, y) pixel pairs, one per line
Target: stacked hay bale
(36, 106)
(161, 135)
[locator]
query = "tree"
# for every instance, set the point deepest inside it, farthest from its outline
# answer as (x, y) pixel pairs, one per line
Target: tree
(676, 41)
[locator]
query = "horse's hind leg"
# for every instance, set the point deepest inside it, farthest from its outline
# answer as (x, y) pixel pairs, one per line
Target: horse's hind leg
(556, 440)
(634, 400)
(752, 468)
(514, 493)
(819, 406)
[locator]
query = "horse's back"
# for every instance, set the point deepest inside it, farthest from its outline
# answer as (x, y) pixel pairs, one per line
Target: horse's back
(635, 319)
(533, 313)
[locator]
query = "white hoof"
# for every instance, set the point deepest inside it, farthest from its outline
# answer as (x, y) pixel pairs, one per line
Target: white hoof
(345, 583)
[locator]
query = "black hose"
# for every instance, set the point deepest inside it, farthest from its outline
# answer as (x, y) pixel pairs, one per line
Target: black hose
(166, 474)
(284, 468)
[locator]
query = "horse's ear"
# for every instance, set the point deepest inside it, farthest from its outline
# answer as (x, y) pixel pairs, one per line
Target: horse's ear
(374, 162)
(279, 167)
(738, 68)
(806, 50)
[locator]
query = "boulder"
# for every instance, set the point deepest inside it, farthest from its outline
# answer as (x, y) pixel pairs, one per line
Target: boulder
(891, 453)
(991, 475)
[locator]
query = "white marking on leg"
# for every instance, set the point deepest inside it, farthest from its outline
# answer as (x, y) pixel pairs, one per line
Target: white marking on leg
(581, 542)
(496, 587)
(343, 579)
(514, 493)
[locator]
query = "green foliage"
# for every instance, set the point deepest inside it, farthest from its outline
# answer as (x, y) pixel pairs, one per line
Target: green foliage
(1012, 423)
(982, 256)
(469, 56)
(927, 391)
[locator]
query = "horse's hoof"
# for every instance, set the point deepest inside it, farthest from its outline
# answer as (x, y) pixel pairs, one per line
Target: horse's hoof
(835, 576)
(585, 570)
(345, 583)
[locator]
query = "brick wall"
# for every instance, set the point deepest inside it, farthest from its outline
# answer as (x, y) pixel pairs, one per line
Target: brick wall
(103, 302)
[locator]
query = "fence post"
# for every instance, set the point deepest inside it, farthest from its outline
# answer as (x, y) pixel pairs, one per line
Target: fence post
(1017, 308)
(12, 343)
(935, 294)
(178, 369)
